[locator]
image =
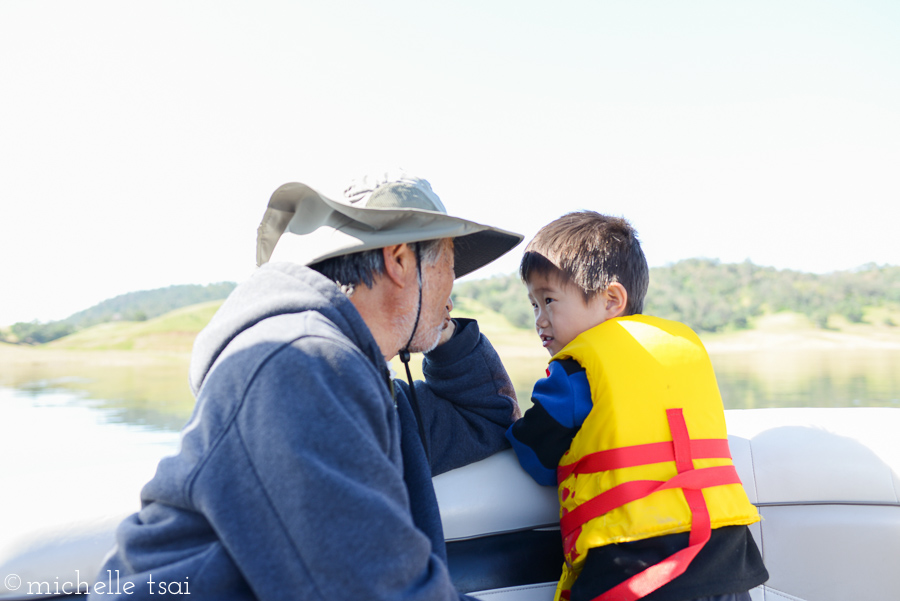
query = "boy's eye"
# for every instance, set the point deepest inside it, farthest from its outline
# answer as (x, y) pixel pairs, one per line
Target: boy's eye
(547, 301)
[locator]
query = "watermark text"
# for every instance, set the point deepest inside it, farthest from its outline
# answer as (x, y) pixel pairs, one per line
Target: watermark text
(110, 583)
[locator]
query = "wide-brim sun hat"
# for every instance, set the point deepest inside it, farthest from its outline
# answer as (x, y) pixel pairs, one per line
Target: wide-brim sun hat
(303, 226)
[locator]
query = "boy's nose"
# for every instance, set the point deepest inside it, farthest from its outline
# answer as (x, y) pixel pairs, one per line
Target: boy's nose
(540, 320)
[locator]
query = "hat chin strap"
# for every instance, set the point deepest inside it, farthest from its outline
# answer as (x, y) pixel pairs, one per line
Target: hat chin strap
(404, 358)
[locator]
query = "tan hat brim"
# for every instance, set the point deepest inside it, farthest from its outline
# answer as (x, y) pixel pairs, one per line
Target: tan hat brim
(302, 226)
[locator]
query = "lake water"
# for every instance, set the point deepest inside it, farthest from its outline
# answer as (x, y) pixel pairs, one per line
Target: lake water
(811, 378)
(67, 454)
(64, 460)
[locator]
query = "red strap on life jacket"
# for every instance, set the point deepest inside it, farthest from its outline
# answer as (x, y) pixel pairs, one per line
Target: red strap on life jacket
(642, 454)
(682, 450)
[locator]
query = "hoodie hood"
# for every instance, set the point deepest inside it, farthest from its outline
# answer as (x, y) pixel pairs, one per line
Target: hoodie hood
(277, 289)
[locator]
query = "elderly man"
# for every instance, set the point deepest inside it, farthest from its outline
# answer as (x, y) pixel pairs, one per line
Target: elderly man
(305, 471)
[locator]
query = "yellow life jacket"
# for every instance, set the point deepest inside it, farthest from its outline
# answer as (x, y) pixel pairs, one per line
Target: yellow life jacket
(652, 457)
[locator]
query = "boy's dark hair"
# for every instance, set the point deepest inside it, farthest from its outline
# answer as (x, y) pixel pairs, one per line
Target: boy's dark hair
(591, 251)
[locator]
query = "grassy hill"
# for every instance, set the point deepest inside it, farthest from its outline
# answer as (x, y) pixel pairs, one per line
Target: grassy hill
(174, 332)
(141, 366)
(793, 332)
(737, 309)
(130, 307)
(171, 332)
(709, 296)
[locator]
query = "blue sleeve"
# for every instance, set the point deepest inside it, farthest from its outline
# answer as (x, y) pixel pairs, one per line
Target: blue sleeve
(561, 402)
(467, 399)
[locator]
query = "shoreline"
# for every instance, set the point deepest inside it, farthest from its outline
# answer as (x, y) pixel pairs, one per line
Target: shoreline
(856, 338)
(770, 338)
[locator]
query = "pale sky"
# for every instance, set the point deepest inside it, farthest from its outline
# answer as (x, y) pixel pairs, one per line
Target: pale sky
(140, 141)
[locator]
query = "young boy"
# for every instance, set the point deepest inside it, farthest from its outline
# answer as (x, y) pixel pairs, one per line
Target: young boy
(630, 426)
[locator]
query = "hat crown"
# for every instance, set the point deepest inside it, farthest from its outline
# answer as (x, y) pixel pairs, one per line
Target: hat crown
(403, 196)
(394, 191)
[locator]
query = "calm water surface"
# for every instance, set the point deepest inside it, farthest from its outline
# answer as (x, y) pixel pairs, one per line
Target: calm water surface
(824, 378)
(64, 460)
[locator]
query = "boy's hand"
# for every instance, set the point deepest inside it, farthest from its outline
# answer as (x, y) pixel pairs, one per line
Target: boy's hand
(449, 324)
(447, 333)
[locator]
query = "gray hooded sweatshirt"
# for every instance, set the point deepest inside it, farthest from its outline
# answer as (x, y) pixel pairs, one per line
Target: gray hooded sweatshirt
(300, 475)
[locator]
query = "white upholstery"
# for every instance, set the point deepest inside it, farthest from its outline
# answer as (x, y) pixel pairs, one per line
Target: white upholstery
(827, 482)
(818, 455)
(494, 495)
(71, 554)
(822, 552)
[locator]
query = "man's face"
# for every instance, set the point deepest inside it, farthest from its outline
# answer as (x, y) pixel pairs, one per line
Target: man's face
(437, 283)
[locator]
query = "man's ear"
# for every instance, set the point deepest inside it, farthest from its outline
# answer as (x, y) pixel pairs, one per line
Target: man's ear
(616, 298)
(398, 261)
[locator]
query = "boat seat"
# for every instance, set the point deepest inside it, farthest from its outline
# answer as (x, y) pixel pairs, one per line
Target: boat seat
(826, 481)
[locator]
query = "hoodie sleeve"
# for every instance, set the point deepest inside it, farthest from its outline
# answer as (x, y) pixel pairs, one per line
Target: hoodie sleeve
(306, 491)
(467, 399)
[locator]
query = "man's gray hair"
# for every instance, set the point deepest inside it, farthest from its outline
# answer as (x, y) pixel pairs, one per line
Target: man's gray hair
(349, 271)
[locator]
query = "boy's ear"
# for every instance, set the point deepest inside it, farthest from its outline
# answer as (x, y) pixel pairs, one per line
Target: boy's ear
(616, 300)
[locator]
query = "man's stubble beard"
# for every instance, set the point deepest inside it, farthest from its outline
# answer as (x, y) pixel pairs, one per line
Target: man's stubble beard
(425, 339)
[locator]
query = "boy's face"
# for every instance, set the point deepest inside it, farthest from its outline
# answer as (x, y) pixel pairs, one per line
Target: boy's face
(560, 313)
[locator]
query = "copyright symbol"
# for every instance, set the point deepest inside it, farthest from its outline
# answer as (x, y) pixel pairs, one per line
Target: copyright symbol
(12, 582)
